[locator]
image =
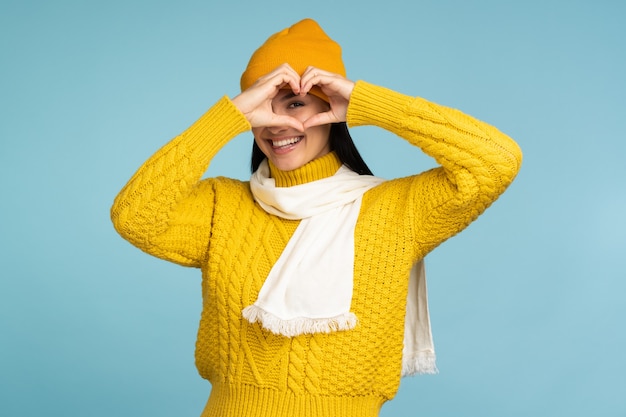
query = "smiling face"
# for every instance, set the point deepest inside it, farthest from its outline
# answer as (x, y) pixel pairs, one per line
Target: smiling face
(287, 148)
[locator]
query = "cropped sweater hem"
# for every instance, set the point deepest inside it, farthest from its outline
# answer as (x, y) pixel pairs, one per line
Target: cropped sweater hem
(252, 401)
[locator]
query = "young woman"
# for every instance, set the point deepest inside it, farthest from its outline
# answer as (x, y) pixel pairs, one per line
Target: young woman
(313, 292)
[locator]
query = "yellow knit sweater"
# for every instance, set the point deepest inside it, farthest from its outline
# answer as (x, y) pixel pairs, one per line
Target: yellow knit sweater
(214, 224)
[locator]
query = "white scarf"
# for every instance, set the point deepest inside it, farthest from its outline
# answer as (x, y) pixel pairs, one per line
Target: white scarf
(309, 288)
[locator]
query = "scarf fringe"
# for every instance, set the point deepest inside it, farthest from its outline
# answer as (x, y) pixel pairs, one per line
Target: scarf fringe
(300, 325)
(419, 363)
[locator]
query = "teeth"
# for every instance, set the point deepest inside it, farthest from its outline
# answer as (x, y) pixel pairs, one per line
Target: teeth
(285, 142)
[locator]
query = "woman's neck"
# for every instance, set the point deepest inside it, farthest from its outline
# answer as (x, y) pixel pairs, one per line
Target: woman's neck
(323, 167)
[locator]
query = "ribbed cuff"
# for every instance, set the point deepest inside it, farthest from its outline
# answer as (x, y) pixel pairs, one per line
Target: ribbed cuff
(374, 105)
(215, 128)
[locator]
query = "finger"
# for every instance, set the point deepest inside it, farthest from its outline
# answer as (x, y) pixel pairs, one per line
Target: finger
(313, 76)
(285, 75)
(278, 78)
(256, 101)
(330, 83)
(287, 121)
(320, 119)
(311, 71)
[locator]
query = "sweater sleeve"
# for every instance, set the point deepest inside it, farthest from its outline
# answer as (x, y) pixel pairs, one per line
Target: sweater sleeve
(477, 161)
(166, 209)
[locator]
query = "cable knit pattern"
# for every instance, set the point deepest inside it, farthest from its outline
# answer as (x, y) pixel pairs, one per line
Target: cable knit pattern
(167, 210)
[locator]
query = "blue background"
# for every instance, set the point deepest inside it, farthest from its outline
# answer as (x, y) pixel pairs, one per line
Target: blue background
(527, 304)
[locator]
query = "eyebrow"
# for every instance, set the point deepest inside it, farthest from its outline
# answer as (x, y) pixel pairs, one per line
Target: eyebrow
(288, 96)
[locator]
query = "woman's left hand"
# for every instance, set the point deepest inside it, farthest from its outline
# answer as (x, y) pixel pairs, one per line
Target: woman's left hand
(338, 90)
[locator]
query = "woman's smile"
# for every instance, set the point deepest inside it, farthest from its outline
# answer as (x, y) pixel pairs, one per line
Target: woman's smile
(285, 143)
(287, 148)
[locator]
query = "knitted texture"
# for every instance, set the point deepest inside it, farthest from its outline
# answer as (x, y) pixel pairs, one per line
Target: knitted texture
(214, 224)
(302, 45)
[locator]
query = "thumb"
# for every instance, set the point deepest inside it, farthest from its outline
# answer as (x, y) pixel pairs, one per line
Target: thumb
(281, 120)
(320, 119)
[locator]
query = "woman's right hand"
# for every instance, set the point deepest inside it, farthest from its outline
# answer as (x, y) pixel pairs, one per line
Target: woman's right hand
(256, 101)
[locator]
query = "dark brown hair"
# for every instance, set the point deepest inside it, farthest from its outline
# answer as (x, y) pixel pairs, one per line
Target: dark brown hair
(340, 141)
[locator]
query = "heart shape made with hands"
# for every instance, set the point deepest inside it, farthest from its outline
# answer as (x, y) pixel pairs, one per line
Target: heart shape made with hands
(307, 110)
(259, 102)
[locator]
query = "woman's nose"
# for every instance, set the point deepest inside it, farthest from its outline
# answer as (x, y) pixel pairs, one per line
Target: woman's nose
(275, 130)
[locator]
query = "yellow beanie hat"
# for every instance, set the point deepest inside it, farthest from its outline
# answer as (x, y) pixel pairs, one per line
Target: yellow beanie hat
(301, 45)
